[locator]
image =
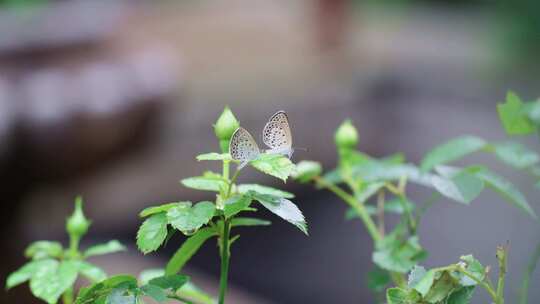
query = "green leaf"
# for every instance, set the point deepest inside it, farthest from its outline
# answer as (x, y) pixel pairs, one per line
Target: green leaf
(43, 249)
(98, 293)
(26, 272)
(122, 295)
(260, 189)
(460, 185)
(461, 296)
(451, 151)
(377, 170)
(194, 294)
(248, 221)
(378, 279)
(401, 296)
(52, 280)
(189, 219)
(474, 267)
(91, 271)
(442, 287)
(172, 282)
(154, 292)
(209, 181)
(146, 275)
(513, 117)
(533, 112)
(152, 233)
(236, 204)
(394, 254)
(507, 190)
(101, 249)
(283, 208)
(188, 249)
(392, 206)
(274, 164)
(333, 176)
(421, 280)
(306, 170)
(516, 155)
(214, 156)
(162, 208)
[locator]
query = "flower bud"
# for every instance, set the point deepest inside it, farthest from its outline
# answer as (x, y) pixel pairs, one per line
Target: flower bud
(225, 127)
(346, 135)
(77, 224)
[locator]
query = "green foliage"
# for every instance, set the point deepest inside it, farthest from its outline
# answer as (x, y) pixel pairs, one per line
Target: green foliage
(209, 181)
(306, 170)
(101, 249)
(283, 208)
(451, 151)
(214, 156)
(236, 204)
(152, 232)
(398, 253)
(189, 219)
(373, 187)
(516, 155)
(450, 284)
(275, 165)
(245, 188)
(514, 117)
(208, 219)
(125, 289)
(44, 249)
(53, 270)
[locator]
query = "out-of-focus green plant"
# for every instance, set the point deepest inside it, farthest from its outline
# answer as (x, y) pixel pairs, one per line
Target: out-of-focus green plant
(523, 118)
(53, 270)
(374, 187)
(204, 220)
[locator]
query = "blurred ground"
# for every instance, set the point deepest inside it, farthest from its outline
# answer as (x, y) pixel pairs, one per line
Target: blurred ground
(408, 79)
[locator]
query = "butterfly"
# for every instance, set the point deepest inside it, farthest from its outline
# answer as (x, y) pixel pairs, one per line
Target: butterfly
(243, 147)
(277, 135)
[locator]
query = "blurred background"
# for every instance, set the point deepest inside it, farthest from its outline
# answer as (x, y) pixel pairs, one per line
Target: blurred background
(114, 99)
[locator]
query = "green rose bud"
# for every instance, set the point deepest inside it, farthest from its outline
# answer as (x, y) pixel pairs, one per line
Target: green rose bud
(346, 135)
(225, 127)
(77, 224)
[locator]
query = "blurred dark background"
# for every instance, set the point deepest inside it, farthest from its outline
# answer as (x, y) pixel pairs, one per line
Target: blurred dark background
(113, 99)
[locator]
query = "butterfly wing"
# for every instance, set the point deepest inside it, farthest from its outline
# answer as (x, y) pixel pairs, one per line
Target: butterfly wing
(277, 133)
(243, 147)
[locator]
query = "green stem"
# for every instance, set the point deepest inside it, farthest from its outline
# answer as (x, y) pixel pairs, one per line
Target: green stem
(380, 212)
(67, 297)
(225, 255)
(502, 259)
(524, 293)
(353, 203)
(400, 193)
(231, 183)
(226, 166)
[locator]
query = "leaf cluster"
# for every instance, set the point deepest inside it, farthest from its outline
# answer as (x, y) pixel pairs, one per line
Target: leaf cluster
(53, 270)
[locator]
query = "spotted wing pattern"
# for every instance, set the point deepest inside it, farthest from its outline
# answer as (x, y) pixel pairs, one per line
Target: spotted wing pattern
(242, 146)
(277, 133)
